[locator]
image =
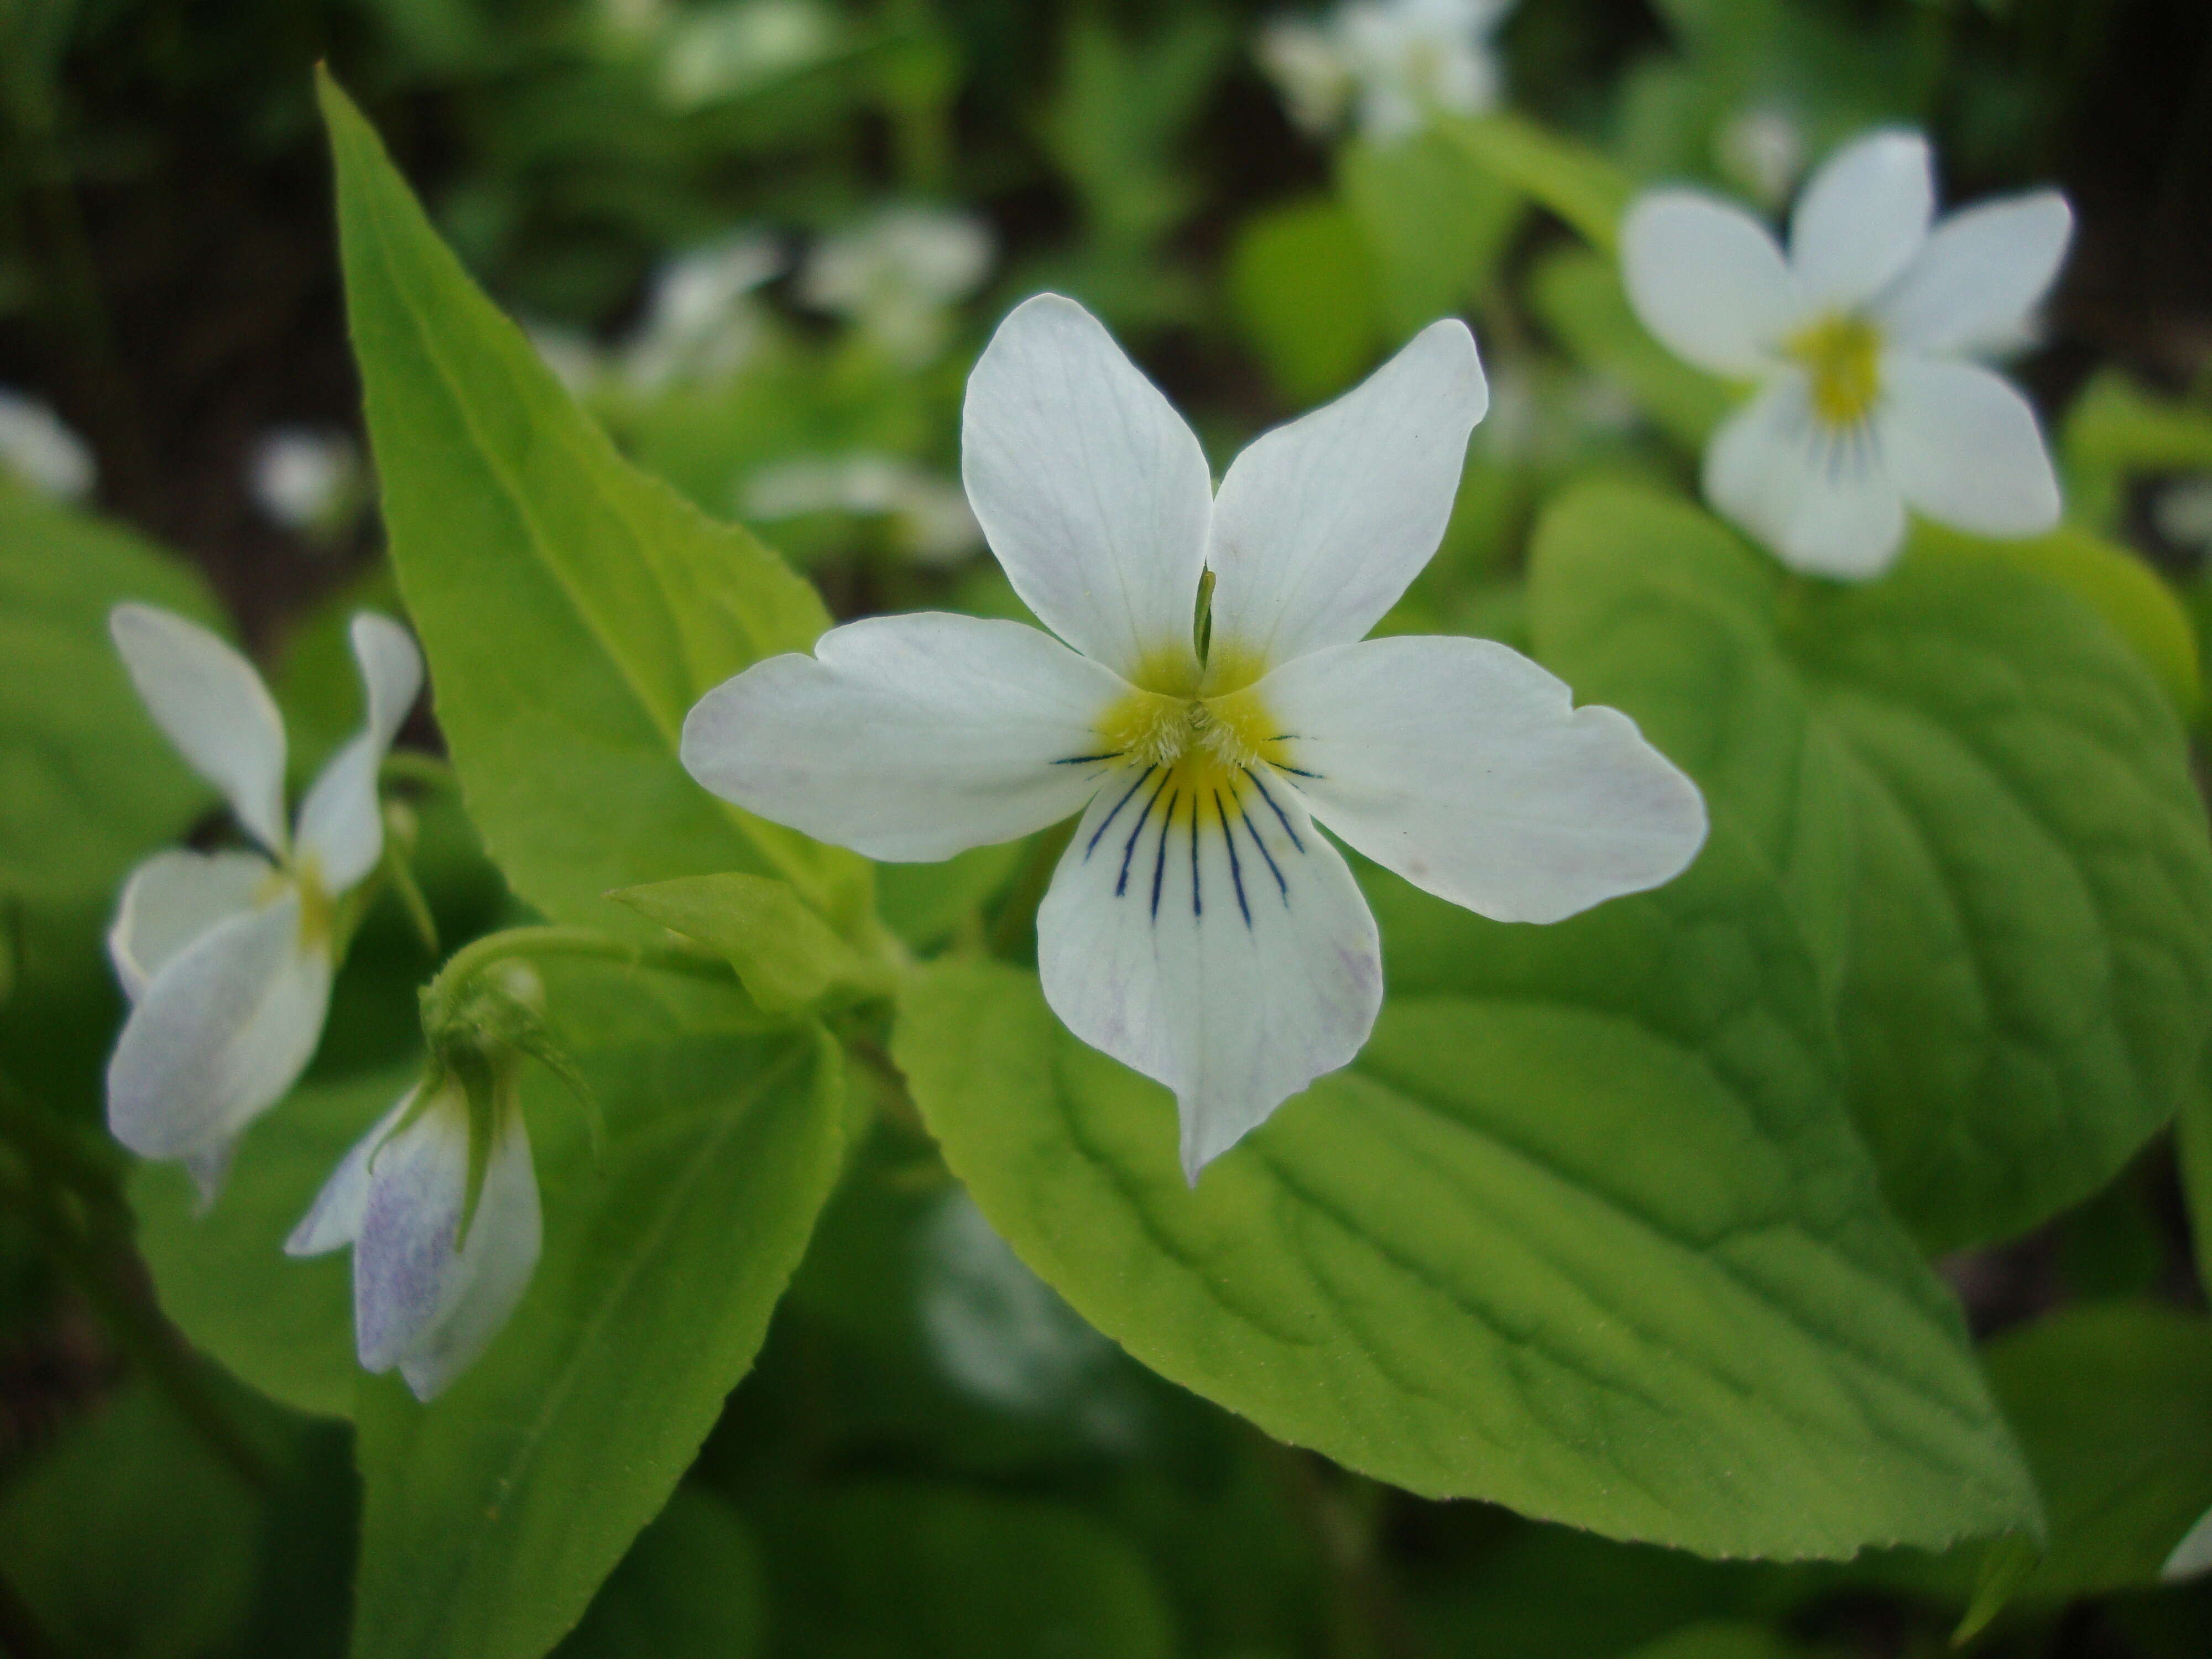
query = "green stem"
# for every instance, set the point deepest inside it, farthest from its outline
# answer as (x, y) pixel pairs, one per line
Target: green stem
(414, 766)
(587, 943)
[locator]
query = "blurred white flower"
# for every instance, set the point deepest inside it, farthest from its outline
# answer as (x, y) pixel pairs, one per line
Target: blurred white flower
(720, 51)
(932, 520)
(1761, 151)
(2183, 513)
(898, 275)
(38, 448)
(573, 356)
(227, 957)
(1860, 341)
(702, 322)
(434, 1277)
(305, 480)
(2192, 1555)
(1399, 63)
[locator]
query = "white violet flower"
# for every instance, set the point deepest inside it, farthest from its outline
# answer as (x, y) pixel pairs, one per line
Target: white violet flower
(702, 322)
(435, 1279)
(1199, 928)
(1398, 62)
(1862, 341)
(227, 957)
(929, 515)
(38, 446)
(898, 275)
(305, 480)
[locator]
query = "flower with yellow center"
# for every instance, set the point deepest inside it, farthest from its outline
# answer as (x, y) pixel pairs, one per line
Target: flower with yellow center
(227, 957)
(1862, 339)
(1214, 697)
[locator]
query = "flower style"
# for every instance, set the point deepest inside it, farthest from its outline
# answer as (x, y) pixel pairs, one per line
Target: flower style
(1198, 928)
(897, 275)
(1402, 61)
(435, 1278)
(227, 957)
(1860, 341)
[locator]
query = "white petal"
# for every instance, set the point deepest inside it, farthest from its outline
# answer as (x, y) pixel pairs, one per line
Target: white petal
(334, 1218)
(171, 899)
(1090, 488)
(210, 1170)
(908, 737)
(1321, 523)
(1822, 500)
(2192, 1555)
(1979, 275)
(494, 1269)
(212, 706)
(1465, 768)
(1708, 281)
(1863, 217)
(1964, 449)
(219, 1034)
(1234, 961)
(340, 823)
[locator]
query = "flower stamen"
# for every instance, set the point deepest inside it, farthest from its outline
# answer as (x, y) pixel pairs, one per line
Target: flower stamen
(1843, 354)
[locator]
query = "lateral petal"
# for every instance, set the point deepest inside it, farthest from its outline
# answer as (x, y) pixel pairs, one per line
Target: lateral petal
(1823, 501)
(1979, 275)
(404, 1253)
(340, 822)
(1862, 217)
(486, 1277)
(1965, 448)
(1465, 768)
(171, 899)
(1091, 489)
(209, 701)
(220, 1034)
(333, 1220)
(909, 738)
(1321, 523)
(1213, 941)
(1708, 281)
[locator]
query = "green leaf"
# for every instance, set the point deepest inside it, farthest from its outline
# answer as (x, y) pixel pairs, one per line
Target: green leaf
(1718, 1639)
(572, 608)
(923, 1571)
(785, 955)
(285, 1326)
(88, 784)
(1578, 295)
(1301, 287)
(2116, 431)
(2114, 1405)
(2192, 1145)
(1574, 182)
(1584, 1232)
(492, 1515)
(1994, 785)
(689, 1588)
(1434, 223)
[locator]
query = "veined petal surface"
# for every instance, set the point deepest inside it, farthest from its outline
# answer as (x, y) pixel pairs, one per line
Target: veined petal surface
(1091, 489)
(1213, 941)
(909, 738)
(171, 899)
(209, 701)
(1978, 275)
(339, 821)
(1708, 281)
(1823, 499)
(1862, 217)
(1964, 449)
(1465, 768)
(333, 1220)
(219, 1035)
(1321, 523)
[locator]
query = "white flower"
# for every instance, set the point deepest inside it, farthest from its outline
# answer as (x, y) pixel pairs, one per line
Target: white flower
(227, 957)
(1859, 340)
(931, 516)
(41, 450)
(720, 51)
(702, 323)
(1762, 150)
(898, 274)
(1199, 928)
(2192, 1555)
(304, 480)
(434, 1279)
(2183, 513)
(1401, 61)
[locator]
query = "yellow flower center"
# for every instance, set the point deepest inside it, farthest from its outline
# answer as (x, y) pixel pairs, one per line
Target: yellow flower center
(304, 877)
(1202, 727)
(1843, 354)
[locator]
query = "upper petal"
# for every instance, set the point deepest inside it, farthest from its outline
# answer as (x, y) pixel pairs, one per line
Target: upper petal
(334, 1218)
(171, 899)
(339, 821)
(487, 1278)
(1862, 217)
(908, 737)
(212, 706)
(1091, 489)
(1467, 768)
(1321, 524)
(1707, 279)
(1213, 941)
(1823, 499)
(1979, 275)
(1964, 449)
(219, 1035)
